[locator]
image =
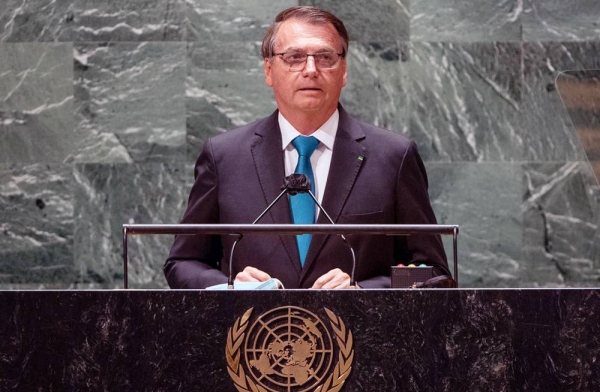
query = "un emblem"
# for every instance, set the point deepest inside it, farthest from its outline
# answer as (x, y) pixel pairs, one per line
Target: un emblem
(289, 349)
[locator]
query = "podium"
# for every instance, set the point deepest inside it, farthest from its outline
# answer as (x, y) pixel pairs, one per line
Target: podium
(360, 340)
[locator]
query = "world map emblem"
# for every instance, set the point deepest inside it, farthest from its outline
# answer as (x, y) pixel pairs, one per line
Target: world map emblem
(289, 349)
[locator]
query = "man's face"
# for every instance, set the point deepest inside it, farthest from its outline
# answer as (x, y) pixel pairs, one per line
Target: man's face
(312, 90)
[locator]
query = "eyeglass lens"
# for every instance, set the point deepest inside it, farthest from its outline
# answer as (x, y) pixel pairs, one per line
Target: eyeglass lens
(323, 60)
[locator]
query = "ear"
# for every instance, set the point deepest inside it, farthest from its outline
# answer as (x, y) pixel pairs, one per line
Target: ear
(345, 77)
(268, 69)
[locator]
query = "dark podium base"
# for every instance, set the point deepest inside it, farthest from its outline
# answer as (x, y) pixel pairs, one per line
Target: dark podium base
(402, 340)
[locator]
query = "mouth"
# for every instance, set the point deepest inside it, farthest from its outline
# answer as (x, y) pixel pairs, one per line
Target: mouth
(309, 89)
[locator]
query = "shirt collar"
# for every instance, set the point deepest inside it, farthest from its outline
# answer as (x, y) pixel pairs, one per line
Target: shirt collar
(325, 134)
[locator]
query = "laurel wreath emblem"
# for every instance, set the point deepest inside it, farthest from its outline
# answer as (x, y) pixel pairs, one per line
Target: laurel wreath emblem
(243, 383)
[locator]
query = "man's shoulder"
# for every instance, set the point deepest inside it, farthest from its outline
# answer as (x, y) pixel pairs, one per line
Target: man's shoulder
(378, 135)
(244, 132)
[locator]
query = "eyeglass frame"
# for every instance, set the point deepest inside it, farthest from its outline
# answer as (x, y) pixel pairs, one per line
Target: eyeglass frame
(340, 56)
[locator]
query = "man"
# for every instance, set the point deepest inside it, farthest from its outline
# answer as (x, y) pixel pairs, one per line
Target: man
(362, 174)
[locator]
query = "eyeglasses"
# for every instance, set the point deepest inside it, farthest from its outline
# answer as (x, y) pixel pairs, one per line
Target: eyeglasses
(323, 60)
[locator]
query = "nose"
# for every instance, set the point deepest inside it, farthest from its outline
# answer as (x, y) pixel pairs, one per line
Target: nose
(310, 67)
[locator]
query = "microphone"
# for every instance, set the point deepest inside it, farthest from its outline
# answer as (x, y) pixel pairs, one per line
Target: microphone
(299, 183)
(293, 184)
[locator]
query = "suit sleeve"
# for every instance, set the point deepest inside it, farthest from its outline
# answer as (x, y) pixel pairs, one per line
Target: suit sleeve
(194, 260)
(414, 207)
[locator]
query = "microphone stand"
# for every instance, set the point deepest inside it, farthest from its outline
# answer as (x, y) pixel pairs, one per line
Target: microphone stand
(294, 183)
(353, 284)
(240, 236)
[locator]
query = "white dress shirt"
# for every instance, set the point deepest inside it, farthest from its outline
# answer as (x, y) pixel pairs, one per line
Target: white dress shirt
(320, 159)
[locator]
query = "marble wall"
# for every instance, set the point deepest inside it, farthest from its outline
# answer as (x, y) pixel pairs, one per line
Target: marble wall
(105, 104)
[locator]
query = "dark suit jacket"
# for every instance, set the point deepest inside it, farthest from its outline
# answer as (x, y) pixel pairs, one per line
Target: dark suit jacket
(376, 176)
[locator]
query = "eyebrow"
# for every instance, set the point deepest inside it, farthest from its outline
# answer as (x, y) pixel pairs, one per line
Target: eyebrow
(296, 49)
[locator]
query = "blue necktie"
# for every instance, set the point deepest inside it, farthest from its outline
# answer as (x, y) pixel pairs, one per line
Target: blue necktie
(302, 205)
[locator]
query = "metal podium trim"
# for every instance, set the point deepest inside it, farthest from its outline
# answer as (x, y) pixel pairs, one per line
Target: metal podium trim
(287, 229)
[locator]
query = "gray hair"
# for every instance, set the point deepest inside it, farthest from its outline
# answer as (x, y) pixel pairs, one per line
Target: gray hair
(307, 14)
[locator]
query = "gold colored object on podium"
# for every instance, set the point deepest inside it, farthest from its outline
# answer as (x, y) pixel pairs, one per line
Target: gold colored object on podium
(289, 348)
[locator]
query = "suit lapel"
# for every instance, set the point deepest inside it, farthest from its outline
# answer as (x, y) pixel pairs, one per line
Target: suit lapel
(269, 164)
(346, 161)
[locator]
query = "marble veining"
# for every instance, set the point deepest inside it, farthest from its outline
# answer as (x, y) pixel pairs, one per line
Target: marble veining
(87, 20)
(382, 71)
(490, 240)
(106, 196)
(465, 101)
(35, 20)
(465, 21)
(36, 101)
(555, 138)
(225, 88)
(131, 96)
(134, 20)
(560, 199)
(231, 20)
(36, 227)
(555, 20)
(364, 21)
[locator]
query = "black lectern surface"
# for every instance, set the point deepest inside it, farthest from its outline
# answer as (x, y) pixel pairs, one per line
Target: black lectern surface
(360, 340)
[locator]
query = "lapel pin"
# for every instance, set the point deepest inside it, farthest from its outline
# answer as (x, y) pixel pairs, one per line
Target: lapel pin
(361, 158)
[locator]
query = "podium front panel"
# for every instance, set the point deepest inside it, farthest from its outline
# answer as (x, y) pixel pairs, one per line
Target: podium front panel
(361, 340)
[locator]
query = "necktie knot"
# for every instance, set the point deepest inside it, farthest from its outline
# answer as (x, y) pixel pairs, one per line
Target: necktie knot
(305, 145)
